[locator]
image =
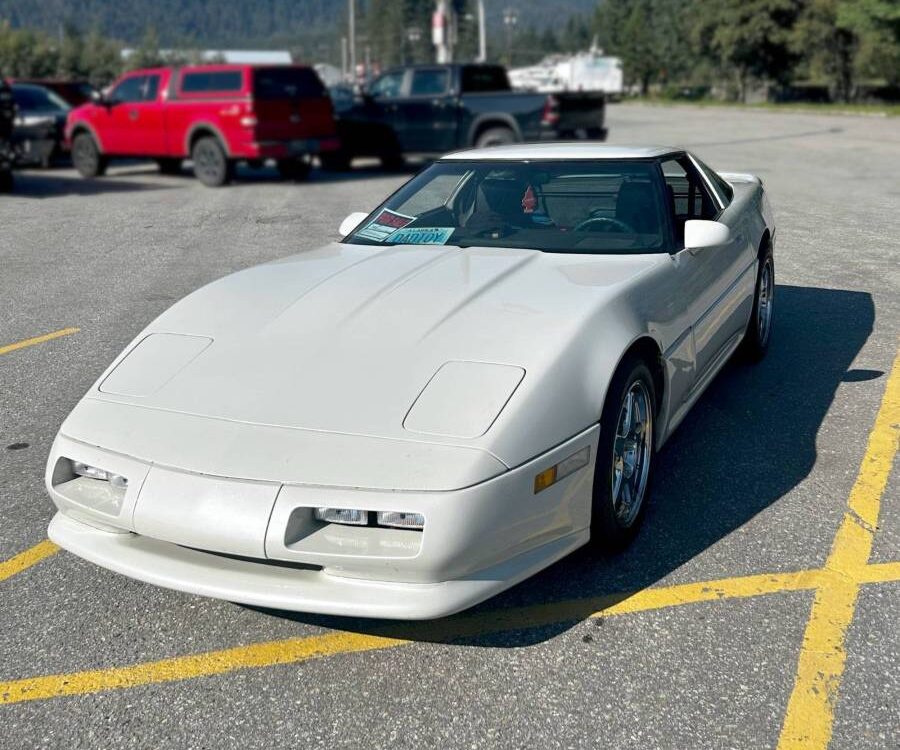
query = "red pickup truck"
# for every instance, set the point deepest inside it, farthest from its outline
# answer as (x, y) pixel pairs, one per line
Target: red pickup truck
(216, 115)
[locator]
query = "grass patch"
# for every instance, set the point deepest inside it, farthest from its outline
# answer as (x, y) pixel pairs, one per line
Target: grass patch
(877, 110)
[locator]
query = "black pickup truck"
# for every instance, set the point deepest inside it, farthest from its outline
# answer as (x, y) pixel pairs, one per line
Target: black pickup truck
(432, 109)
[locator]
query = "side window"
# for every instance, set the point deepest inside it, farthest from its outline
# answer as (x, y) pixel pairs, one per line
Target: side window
(726, 192)
(129, 91)
(204, 82)
(430, 82)
(688, 197)
(388, 86)
(151, 88)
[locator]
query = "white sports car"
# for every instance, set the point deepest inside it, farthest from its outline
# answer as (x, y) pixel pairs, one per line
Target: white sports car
(470, 385)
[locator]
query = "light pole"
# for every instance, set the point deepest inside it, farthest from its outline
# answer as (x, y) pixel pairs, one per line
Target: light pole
(351, 21)
(482, 34)
(510, 19)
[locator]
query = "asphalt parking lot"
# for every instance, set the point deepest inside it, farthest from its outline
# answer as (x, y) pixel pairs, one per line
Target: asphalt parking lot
(758, 607)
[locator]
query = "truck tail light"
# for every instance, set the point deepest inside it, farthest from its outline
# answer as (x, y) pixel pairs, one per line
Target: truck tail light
(551, 111)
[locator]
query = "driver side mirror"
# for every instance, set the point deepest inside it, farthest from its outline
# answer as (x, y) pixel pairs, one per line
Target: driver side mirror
(100, 99)
(351, 222)
(700, 234)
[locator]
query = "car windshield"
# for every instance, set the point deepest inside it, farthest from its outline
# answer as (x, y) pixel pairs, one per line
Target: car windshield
(591, 207)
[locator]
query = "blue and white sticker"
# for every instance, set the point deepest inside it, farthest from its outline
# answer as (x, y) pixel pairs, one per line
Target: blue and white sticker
(421, 236)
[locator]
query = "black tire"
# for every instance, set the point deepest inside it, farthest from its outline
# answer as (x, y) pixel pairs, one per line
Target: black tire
(499, 136)
(86, 156)
(294, 169)
(6, 181)
(211, 164)
(392, 160)
(611, 527)
(169, 166)
(335, 161)
(759, 328)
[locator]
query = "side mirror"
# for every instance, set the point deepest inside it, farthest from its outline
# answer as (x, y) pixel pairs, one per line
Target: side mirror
(351, 222)
(700, 234)
(100, 99)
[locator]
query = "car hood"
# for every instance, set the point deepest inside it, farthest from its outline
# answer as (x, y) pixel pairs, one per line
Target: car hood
(344, 339)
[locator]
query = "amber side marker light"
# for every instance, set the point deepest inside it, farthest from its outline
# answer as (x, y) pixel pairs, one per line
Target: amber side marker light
(549, 477)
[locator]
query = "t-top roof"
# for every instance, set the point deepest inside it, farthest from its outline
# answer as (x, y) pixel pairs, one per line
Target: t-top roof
(562, 150)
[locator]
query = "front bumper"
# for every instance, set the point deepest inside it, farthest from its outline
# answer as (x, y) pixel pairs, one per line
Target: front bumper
(257, 542)
(263, 584)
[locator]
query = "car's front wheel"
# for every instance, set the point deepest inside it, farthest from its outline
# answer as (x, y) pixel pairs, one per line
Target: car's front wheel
(759, 328)
(625, 454)
(86, 156)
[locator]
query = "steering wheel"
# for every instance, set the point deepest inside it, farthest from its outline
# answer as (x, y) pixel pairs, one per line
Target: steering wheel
(604, 224)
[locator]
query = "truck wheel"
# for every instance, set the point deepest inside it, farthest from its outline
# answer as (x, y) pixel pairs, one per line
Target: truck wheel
(495, 137)
(169, 166)
(335, 161)
(293, 169)
(392, 160)
(211, 164)
(6, 181)
(86, 156)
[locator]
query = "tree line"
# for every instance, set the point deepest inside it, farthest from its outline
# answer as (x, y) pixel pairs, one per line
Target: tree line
(734, 44)
(726, 45)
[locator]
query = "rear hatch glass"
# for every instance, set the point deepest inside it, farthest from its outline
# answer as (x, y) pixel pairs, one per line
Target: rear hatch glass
(290, 104)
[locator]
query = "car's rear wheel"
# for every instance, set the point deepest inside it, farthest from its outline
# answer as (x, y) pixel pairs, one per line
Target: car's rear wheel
(495, 137)
(211, 164)
(294, 169)
(624, 467)
(86, 156)
(169, 166)
(759, 329)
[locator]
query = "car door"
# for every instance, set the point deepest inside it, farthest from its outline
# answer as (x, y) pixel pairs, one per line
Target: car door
(717, 282)
(136, 117)
(426, 112)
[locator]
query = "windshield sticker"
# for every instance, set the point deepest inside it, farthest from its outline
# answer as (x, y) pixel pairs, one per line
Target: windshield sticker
(384, 225)
(421, 236)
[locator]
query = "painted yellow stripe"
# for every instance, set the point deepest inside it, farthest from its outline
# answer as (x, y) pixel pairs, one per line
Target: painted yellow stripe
(879, 573)
(810, 713)
(32, 556)
(290, 651)
(7, 348)
(303, 649)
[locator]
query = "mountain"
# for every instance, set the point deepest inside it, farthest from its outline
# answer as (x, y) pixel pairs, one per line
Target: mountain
(240, 23)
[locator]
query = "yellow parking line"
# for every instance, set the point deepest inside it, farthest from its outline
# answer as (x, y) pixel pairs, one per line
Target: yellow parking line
(7, 348)
(810, 713)
(296, 650)
(289, 651)
(32, 556)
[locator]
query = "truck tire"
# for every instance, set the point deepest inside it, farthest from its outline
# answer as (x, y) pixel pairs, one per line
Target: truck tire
(211, 164)
(86, 156)
(6, 181)
(293, 169)
(335, 161)
(169, 166)
(499, 136)
(392, 160)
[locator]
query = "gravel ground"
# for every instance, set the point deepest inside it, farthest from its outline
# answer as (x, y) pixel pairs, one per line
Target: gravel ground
(756, 480)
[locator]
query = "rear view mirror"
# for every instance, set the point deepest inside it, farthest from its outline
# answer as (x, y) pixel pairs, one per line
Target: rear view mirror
(700, 234)
(351, 222)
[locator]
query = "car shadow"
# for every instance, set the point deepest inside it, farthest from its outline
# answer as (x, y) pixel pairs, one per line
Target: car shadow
(47, 184)
(749, 440)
